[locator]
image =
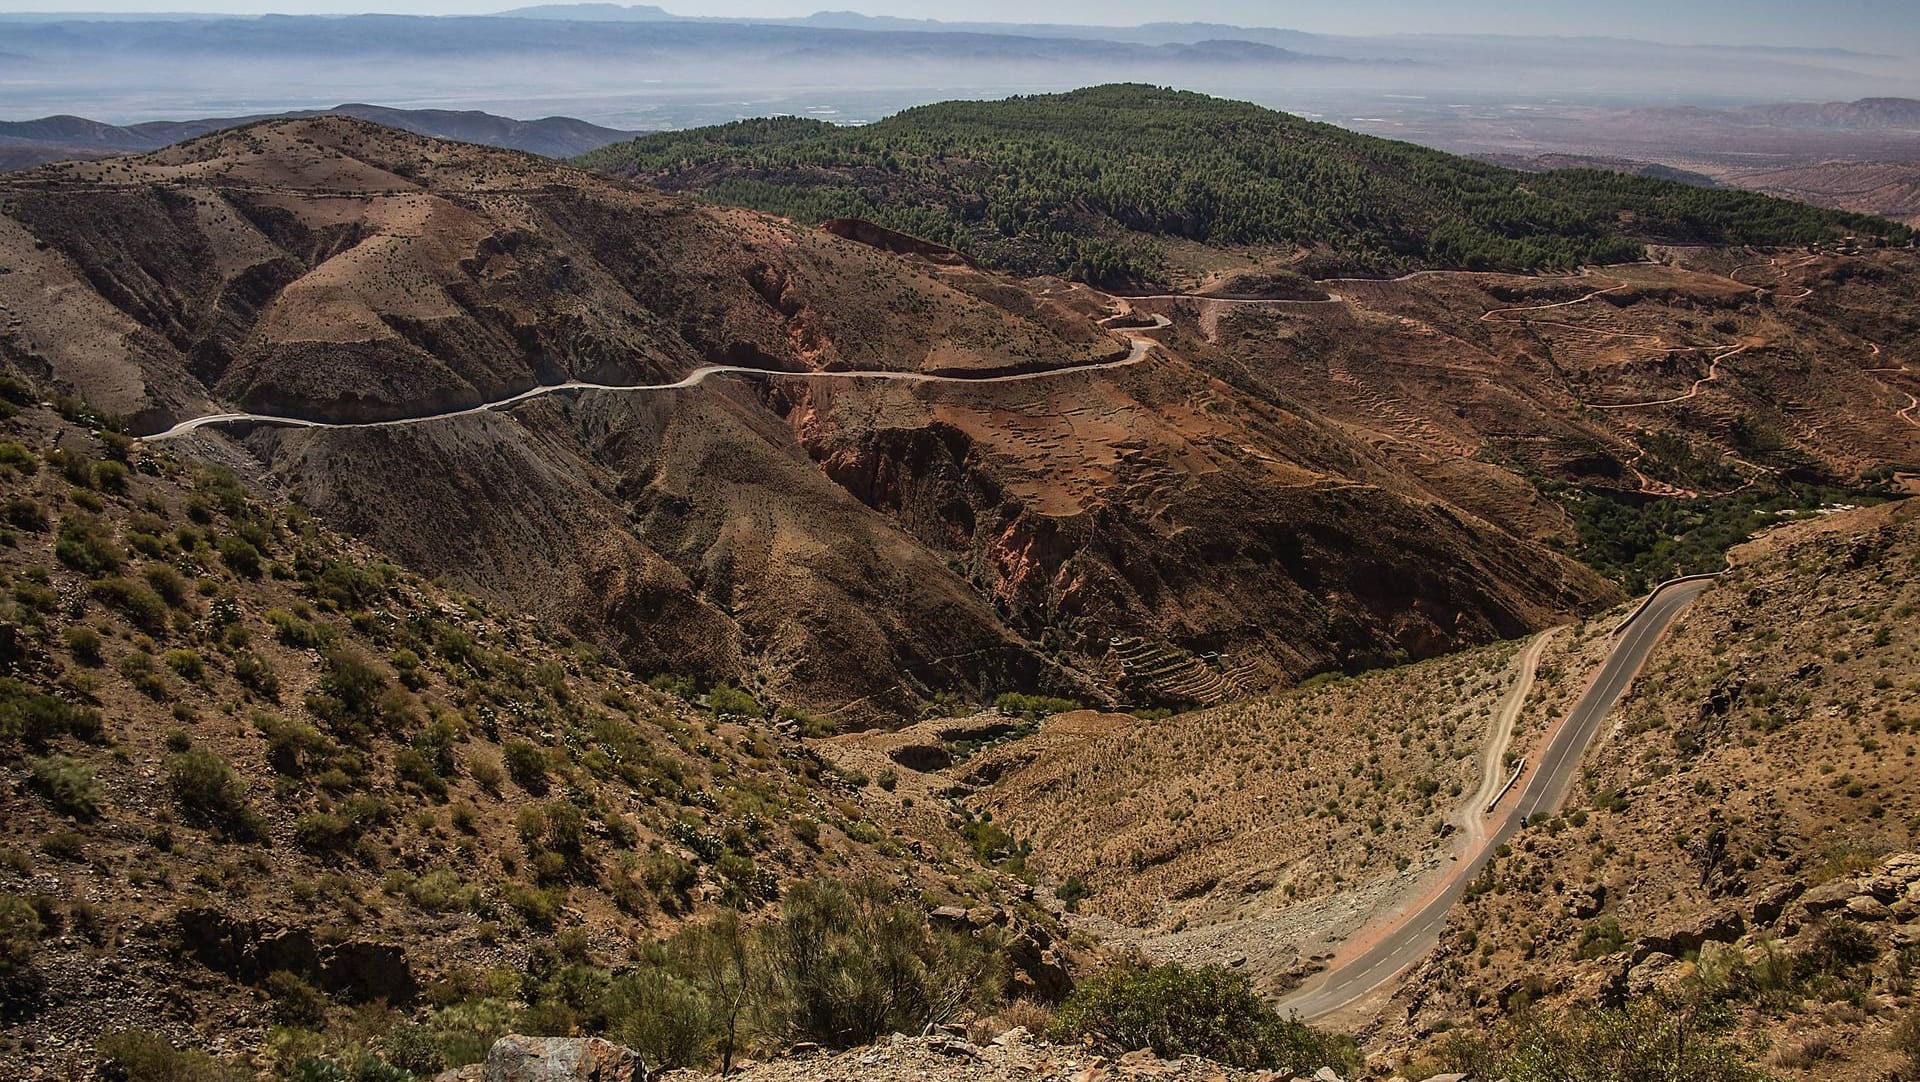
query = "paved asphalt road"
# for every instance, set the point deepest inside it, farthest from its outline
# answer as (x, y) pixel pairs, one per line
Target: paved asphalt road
(1141, 344)
(1414, 934)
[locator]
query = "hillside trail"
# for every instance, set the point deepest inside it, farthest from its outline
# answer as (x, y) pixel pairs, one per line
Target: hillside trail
(1471, 815)
(1913, 402)
(1140, 347)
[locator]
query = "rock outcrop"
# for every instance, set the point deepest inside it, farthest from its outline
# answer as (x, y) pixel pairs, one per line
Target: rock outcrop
(553, 1059)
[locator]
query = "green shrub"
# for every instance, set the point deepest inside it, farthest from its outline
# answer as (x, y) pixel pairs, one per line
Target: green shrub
(1074, 891)
(294, 747)
(256, 674)
(413, 767)
(414, 1048)
(538, 907)
(408, 665)
(108, 476)
(187, 664)
(138, 1055)
(527, 766)
(15, 456)
(681, 687)
(1601, 938)
(465, 1031)
(350, 586)
(727, 701)
(140, 671)
(1033, 707)
(299, 633)
(438, 891)
(663, 1016)
(1648, 1040)
(849, 964)
(20, 930)
(241, 555)
(1208, 1011)
(170, 584)
(671, 879)
(83, 643)
(209, 790)
(295, 1002)
(86, 545)
(146, 609)
(337, 831)
(351, 696)
(30, 718)
(24, 513)
(68, 784)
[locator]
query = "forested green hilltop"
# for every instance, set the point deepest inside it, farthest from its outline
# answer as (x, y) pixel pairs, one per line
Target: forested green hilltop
(1082, 183)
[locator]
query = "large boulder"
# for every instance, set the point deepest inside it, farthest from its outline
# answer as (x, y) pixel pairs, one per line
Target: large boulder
(561, 1059)
(1721, 927)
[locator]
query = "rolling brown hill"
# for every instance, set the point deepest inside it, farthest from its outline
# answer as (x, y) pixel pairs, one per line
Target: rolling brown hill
(848, 543)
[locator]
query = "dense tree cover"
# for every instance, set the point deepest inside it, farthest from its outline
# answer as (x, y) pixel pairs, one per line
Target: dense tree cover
(1080, 183)
(1641, 543)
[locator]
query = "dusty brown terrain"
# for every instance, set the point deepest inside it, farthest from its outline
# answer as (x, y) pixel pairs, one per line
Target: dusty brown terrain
(858, 547)
(1890, 189)
(1279, 488)
(1698, 375)
(335, 269)
(1010, 1056)
(1761, 766)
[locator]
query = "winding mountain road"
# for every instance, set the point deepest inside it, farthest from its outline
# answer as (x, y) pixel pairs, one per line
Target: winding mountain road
(1141, 346)
(1403, 940)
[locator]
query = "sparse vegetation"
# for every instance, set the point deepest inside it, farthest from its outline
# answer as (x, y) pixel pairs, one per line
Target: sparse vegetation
(1207, 1011)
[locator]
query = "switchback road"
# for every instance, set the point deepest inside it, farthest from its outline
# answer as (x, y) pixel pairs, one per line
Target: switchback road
(1142, 345)
(1401, 941)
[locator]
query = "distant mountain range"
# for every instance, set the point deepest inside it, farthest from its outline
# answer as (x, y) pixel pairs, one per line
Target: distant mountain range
(647, 67)
(1867, 114)
(1154, 33)
(56, 138)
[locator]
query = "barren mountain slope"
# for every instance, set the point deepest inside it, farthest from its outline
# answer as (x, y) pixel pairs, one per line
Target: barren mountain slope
(1721, 371)
(850, 543)
(1711, 850)
(334, 269)
(1891, 189)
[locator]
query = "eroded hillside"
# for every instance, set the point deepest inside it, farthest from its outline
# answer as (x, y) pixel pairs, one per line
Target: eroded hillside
(1139, 532)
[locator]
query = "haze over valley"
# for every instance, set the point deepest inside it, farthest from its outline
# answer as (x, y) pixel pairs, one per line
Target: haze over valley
(590, 543)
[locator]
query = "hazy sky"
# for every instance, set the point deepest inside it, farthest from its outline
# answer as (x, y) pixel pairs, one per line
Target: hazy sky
(1878, 25)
